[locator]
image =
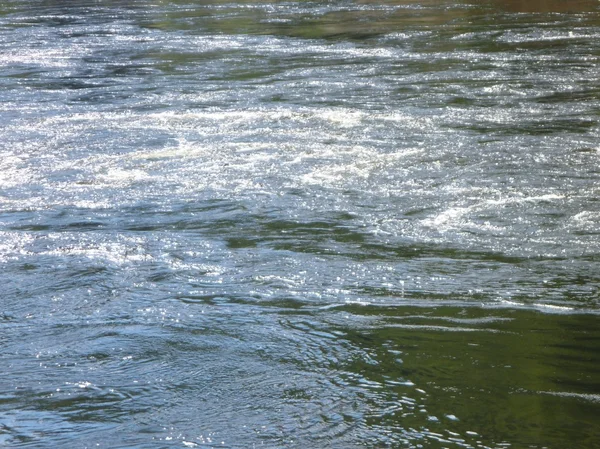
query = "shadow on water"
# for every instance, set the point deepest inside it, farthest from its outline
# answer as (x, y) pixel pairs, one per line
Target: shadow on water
(504, 373)
(365, 19)
(546, 6)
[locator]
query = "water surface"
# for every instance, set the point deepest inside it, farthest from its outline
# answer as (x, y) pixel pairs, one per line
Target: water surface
(299, 224)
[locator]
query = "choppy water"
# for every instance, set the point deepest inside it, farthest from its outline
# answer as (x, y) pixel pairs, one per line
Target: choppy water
(299, 224)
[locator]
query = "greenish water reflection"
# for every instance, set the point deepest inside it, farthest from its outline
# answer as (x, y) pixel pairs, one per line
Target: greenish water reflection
(518, 377)
(360, 20)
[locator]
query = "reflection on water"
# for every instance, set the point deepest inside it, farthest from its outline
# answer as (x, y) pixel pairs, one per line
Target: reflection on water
(297, 224)
(547, 6)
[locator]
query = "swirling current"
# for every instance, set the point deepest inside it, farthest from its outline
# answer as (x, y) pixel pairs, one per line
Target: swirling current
(300, 224)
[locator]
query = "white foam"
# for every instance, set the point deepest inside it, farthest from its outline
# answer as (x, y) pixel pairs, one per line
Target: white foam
(524, 199)
(344, 118)
(449, 217)
(585, 396)
(123, 177)
(47, 58)
(552, 306)
(438, 328)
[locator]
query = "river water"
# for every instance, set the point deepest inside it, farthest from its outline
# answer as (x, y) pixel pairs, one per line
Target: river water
(300, 224)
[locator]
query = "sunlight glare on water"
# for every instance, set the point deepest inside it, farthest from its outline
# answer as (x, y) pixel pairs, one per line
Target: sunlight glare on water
(299, 224)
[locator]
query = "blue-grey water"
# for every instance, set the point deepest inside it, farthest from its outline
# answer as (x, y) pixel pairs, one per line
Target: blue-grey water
(300, 224)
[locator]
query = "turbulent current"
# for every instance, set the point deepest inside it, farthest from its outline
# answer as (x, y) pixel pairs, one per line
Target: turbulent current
(300, 224)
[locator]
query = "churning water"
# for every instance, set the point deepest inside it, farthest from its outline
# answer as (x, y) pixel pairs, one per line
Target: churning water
(298, 224)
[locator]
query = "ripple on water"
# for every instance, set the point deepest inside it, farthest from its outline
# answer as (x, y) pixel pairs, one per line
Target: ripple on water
(289, 225)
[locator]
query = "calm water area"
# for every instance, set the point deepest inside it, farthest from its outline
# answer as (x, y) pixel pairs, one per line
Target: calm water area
(300, 224)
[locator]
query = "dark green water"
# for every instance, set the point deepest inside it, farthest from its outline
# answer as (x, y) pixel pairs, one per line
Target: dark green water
(300, 224)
